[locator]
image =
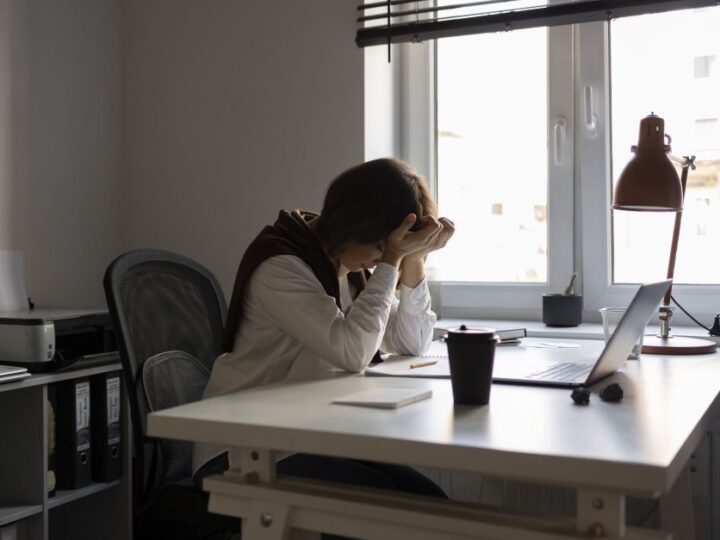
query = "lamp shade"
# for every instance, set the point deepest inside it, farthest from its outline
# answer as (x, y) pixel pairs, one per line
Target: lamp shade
(649, 182)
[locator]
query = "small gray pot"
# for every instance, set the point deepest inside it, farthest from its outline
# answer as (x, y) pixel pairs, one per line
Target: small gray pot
(562, 309)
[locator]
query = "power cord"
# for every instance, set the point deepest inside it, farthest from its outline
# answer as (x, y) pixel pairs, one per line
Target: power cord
(714, 331)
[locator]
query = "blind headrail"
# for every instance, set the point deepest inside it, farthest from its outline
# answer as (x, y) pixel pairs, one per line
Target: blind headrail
(498, 21)
(429, 9)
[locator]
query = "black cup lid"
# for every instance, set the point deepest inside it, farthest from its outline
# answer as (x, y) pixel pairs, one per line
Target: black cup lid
(465, 333)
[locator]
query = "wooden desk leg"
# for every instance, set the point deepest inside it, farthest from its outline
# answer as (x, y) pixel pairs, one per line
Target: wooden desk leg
(601, 513)
(266, 520)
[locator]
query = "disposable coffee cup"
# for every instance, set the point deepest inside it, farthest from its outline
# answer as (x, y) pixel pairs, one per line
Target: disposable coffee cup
(471, 352)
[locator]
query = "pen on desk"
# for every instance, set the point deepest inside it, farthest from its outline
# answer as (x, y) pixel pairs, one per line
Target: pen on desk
(422, 364)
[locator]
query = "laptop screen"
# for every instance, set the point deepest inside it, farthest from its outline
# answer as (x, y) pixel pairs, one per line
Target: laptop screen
(629, 329)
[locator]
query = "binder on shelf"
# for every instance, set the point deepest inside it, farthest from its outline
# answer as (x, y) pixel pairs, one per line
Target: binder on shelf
(51, 430)
(106, 407)
(73, 457)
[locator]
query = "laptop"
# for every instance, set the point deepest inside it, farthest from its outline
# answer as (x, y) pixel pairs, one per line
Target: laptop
(571, 374)
(12, 373)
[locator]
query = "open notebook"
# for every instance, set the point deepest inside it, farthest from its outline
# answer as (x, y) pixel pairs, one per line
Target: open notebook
(435, 364)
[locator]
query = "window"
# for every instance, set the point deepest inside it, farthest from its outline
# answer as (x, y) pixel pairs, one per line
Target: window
(707, 134)
(527, 143)
(492, 101)
(703, 66)
(643, 49)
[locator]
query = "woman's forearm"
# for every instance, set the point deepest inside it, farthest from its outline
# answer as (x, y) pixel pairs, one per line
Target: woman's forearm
(412, 271)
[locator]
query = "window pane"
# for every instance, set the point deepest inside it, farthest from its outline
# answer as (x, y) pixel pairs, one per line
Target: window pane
(492, 153)
(665, 63)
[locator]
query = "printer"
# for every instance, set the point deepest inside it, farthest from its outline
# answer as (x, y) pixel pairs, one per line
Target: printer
(49, 339)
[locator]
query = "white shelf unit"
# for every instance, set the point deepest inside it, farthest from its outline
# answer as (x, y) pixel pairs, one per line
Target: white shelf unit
(100, 510)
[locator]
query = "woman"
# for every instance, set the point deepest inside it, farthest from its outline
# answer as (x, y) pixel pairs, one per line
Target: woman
(304, 303)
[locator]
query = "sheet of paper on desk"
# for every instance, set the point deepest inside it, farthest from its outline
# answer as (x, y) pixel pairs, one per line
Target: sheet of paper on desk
(385, 398)
(552, 345)
(399, 366)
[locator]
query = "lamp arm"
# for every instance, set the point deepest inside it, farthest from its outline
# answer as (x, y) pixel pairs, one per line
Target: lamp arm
(687, 163)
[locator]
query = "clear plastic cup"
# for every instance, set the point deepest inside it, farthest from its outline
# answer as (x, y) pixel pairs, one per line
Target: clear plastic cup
(610, 318)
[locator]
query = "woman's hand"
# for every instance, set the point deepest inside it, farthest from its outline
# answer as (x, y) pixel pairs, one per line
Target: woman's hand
(412, 270)
(440, 241)
(402, 242)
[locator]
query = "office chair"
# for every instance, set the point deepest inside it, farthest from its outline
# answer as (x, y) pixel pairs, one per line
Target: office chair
(168, 313)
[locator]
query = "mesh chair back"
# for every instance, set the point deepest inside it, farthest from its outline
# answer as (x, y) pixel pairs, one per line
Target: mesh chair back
(171, 378)
(162, 302)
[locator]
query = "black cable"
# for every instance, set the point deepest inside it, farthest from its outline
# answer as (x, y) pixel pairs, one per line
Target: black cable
(686, 313)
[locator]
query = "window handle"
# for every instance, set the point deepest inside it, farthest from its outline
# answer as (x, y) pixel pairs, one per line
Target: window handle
(591, 120)
(559, 134)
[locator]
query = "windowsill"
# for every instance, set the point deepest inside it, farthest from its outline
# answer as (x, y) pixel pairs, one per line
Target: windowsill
(583, 331)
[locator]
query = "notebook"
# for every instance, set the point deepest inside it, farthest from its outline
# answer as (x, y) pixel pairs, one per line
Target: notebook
(546, 371)
(384, 398)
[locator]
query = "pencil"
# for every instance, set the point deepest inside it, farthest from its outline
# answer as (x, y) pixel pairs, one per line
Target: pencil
(422, 364)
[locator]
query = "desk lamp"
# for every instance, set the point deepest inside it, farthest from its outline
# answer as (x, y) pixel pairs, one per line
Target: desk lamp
(650, 183)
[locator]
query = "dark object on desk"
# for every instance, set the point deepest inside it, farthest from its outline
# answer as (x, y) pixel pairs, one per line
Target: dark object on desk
(73, 455)
(612, 393)
(562, 309)
(168, 313)
(581, 396)
(106, 410)
(471, 354)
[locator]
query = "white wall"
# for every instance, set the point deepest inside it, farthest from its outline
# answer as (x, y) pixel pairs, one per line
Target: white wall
(232, 111)
(59, 144)
(176, 124)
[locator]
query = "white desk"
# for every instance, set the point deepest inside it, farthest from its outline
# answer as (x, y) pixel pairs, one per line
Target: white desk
(639, 447)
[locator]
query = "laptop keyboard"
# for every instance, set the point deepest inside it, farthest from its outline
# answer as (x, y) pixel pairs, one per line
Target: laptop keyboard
(563, 371)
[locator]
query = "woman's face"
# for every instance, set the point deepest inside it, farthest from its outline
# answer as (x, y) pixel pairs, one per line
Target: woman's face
(354, 257)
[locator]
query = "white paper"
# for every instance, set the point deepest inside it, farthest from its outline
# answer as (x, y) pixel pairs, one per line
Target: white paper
(552, 345)
(13, 296)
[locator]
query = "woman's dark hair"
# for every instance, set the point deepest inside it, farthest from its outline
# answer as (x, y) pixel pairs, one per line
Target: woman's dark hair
(367, 202)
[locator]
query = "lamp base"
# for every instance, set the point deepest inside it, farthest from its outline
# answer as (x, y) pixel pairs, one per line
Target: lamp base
(677, 345)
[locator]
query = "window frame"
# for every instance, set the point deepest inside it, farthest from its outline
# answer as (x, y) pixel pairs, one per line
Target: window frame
(594, 181)
(418, 146)
(579, 190)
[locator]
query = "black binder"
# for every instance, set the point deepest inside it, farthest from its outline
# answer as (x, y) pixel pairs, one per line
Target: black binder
(51, 427)
(73, 454)
(106, 405)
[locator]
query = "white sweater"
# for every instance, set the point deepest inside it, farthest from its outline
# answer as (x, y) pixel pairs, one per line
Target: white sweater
(292, 329)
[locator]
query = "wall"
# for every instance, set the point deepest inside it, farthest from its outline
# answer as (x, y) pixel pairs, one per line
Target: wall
(59, 144)
(233, 110)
